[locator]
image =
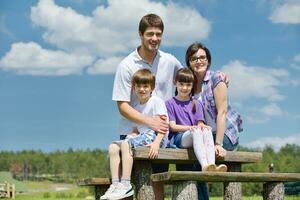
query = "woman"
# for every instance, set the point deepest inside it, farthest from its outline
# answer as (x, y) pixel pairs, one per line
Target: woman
(211, 90)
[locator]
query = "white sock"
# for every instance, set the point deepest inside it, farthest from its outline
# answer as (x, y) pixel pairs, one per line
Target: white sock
(115, 181)
(125, 182)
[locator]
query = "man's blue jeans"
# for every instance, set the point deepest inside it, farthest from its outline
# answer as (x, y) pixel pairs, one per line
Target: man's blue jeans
(202, 186)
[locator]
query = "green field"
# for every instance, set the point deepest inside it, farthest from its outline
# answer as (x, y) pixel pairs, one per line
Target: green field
(55, 191)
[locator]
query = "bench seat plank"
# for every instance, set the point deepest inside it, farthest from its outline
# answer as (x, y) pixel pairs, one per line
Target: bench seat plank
(171, 155)
(94, 181)
(224, 176)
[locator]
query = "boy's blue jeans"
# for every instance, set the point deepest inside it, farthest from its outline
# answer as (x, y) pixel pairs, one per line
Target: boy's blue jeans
(202, 186)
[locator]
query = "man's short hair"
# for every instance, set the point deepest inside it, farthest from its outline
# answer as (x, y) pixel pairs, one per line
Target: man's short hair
(143, 76)
(151, 20)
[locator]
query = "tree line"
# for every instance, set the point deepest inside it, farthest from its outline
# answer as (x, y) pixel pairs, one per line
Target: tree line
(58, 166)
(71, 165)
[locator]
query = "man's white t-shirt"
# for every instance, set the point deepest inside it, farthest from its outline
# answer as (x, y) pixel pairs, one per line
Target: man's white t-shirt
(164, 67)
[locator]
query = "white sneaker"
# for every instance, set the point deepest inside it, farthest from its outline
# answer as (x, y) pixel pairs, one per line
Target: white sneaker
(122, 191)
(109, 191)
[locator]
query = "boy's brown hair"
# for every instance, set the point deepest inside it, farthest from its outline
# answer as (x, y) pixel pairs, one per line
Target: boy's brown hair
(143, 76)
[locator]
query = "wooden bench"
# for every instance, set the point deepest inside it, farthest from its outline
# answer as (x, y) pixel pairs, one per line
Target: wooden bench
(7, 190)
(141, 175)
(100, 185)
(184, 182)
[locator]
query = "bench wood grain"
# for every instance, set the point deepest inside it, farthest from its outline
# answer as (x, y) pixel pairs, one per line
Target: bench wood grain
(177, 156)
(184, 182)
(142, 173)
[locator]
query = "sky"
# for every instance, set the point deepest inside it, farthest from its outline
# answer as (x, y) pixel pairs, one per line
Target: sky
(58, 59)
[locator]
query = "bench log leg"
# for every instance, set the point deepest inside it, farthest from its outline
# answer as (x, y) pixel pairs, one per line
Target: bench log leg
(142, 180)
(273, 191)
(100, 190)
(233, 191)
(184, 190)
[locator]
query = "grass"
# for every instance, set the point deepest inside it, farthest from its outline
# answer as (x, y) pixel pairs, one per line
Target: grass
(50, 191)
(53, 191)
(256, 198)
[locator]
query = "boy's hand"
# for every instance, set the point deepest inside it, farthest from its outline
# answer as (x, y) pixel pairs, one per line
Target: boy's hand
(153, 152)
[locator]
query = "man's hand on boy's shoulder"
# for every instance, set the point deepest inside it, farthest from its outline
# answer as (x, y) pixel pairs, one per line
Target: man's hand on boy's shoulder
(157, 124)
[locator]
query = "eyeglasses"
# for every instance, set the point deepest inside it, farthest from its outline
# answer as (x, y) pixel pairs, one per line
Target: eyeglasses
(195, 59)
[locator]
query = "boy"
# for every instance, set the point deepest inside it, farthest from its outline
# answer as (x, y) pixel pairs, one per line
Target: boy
(143, 83)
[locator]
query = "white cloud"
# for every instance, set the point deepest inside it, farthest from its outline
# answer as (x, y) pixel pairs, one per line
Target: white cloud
(31, 58)
(110, 30)
(275, 142)
(272, 110)
(3, 27)
(288, 12)
(107, 34)
(105, 66)
(296, 63)
(297, 58)
(263, 114)
(251, 81)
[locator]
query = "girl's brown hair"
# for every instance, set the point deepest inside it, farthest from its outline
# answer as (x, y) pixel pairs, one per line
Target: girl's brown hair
(143, 76)
(185, 75)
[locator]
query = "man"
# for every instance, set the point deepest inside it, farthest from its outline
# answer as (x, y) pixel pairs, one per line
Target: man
(164, 66)
(161, 64)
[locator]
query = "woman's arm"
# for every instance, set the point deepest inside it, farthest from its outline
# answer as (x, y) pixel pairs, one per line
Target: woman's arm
(178, 128)
(220, 95)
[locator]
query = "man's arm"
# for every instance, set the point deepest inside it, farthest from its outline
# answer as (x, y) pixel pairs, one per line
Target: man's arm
(155, 123)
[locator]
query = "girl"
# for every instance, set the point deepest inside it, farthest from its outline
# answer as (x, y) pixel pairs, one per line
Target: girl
(187, 128)
(211, 90)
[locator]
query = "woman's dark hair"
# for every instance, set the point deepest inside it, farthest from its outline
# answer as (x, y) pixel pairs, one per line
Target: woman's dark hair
(185, 75)
(192, 49)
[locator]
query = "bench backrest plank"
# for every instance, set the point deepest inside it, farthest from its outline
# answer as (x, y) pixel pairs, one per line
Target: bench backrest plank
(171, 155)
(224, 176)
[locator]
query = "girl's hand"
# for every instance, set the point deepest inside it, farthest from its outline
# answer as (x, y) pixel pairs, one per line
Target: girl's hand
(220, 151)
(153, 152)
(203, 126)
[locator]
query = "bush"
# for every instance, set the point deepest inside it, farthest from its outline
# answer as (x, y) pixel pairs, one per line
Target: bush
(82, 194)
(47, 195)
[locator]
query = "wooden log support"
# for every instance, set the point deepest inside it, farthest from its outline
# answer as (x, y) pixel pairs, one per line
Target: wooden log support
(13, 191)
(273, 191)
(184, 190)
(233, 190)
(142, 181)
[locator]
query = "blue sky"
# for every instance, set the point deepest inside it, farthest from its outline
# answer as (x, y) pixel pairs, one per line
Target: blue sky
(58, 58)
